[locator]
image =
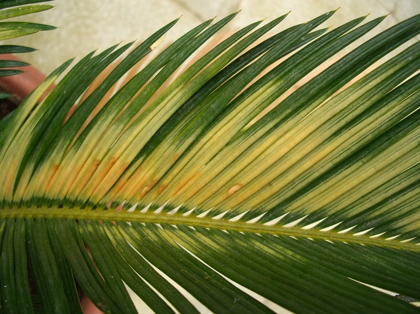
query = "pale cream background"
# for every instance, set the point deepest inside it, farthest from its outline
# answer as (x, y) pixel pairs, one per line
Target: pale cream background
(85, 25)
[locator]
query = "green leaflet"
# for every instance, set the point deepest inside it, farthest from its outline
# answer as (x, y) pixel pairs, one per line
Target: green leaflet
(10, 30)
(3, 96)
(223, 186)
(15, 49)
(14, 12)
(14, 3)
(9, 72)
(11, 63)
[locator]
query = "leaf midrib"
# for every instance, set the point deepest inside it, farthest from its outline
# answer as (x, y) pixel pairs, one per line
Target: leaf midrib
(205, 222)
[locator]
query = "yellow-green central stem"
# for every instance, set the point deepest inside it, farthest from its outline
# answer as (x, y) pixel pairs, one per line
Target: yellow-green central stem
(176, 219)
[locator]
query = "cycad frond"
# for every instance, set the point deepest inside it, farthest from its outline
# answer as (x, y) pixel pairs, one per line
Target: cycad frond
(312, 204)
